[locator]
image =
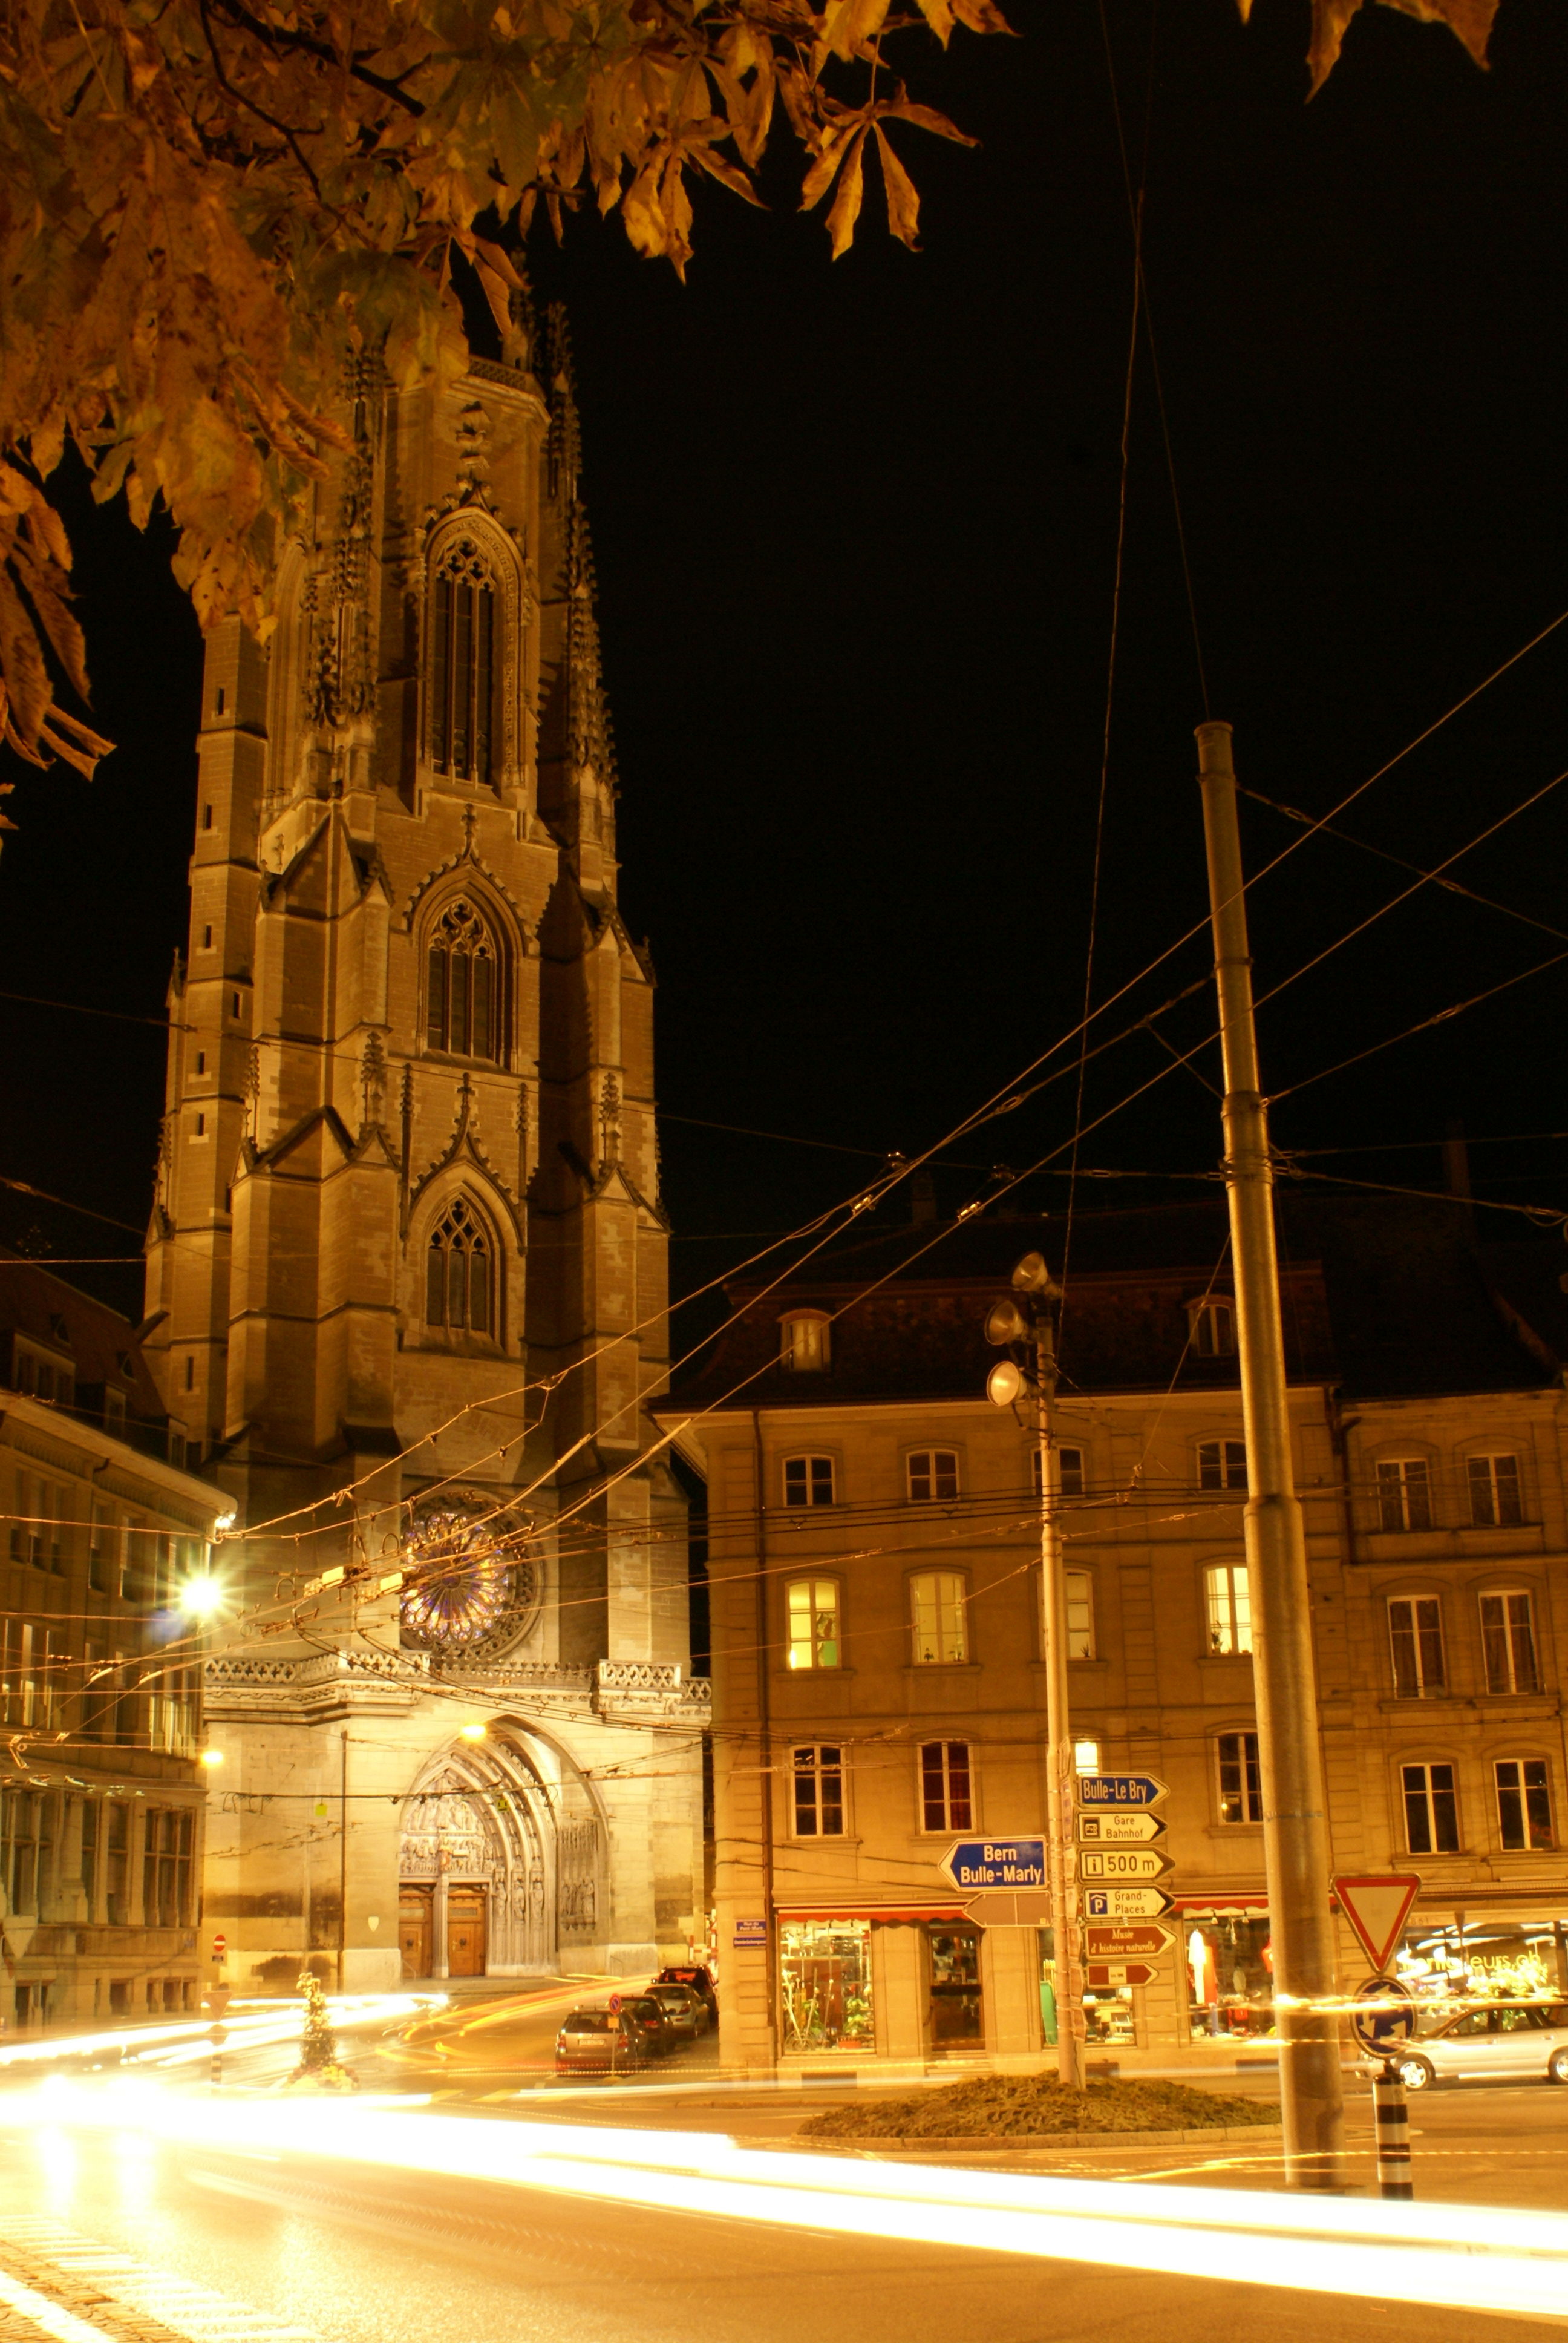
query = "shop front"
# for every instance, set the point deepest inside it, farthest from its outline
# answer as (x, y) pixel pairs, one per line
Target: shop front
(1459, 1954)
(910, 1982)
(1228, 1956)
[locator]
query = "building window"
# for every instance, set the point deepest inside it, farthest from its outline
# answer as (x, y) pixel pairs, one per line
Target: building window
(805, 1341)
(462, 985)
(100, 1538)
(933, 1472)
(1222, 1464)
(1069, 1471)
(1213, 1330)
(825, 1985)
(938, 1599)
(1080, 1614)
(946, 1803)
(1240, 1779)
(812, 1607)
(1404, 1493)
(1523, 1804)
(166, 1867)
(1495, 1496)
(1430, 1809)
(1415, 1638)
(89, 1873)
(462, 664)
(1228, 1602)
(819, 1773)
(458, 1274)
(808, 1481)
(1508, 1639)
(24, 1847)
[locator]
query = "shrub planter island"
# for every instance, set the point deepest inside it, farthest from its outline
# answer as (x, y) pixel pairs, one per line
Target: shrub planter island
(1023, 2110)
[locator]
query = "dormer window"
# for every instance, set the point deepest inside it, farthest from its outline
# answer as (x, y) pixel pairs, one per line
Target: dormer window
(462, 664)
(1213, 1329)
(805, 1341)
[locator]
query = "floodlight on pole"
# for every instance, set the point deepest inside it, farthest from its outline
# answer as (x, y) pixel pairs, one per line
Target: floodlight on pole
(201, 1597)
(1005, 1385)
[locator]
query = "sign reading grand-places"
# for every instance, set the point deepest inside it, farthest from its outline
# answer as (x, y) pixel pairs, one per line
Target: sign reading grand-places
(1124, 1904)
(1377, 1906)
(996, 1863)
(1120, 1790)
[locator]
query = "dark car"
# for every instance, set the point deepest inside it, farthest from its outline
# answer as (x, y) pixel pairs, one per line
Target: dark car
(685, 2011)
(601, 2042)
(700, 1979)
(643, 2014)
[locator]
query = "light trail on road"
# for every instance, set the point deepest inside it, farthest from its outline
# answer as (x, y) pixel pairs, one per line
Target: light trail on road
(1456, 2257)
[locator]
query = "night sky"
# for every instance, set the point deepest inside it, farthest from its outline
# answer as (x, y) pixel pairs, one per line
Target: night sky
(855, 528)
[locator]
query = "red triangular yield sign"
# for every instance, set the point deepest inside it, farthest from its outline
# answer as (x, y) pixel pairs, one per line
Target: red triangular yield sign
(1376, 1909)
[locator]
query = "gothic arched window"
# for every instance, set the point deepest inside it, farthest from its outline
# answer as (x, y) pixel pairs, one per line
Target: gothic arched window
(457, 1271)
(463, 1002)
(462, 663)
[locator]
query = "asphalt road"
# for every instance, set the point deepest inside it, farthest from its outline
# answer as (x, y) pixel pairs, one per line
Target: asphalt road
(225, 2248)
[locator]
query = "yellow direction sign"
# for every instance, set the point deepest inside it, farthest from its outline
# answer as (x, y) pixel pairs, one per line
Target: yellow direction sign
(1115, 1829)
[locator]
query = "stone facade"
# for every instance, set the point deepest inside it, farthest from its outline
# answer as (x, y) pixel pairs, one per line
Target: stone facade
(877, 1640)
(407, 1264)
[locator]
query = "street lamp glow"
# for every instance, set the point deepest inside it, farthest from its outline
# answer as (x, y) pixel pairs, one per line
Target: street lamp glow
(201, 1597)
(471, 1732)
(211, 1757)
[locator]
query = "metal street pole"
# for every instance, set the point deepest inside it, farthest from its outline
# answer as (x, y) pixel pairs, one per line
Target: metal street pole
(1060, 1819)
(1296, 1852)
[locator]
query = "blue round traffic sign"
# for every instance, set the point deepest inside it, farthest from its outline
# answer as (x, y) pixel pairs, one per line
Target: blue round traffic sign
(1383, 2017)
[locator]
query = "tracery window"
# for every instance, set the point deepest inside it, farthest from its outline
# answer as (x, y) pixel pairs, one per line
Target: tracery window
(463, 1002)
(458, 1270)
(462, 664)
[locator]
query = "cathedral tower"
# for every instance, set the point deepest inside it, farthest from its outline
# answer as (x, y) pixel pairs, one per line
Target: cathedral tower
(407, 1265)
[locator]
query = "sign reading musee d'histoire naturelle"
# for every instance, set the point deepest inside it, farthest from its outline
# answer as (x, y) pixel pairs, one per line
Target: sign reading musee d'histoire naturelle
(996, 1863)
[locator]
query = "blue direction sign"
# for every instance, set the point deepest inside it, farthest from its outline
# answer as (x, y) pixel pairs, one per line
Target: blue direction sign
(996, 1863)
(1120, 1790)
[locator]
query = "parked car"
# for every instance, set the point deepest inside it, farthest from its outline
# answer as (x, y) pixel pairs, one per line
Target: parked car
(1496, 2041)
(700, 1979)
(643, 2012)
(685, 2011)
(600, 2041)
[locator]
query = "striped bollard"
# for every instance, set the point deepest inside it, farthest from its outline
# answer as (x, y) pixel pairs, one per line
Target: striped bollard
(1392, 2119)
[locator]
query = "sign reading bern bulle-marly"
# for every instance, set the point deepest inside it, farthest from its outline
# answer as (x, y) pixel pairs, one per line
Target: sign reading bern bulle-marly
(996, 1863)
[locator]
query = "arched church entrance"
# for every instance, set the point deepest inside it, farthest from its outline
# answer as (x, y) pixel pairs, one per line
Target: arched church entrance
(500, 1868)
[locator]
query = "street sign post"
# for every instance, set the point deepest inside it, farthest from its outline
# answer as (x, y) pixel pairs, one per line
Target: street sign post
(1377, 1905)
(1115, 1827)
(1102, 1973)
(1010, 1907)
(1127, 1863)
(1384, 2017)
(1383, 2022)
(1125, 1904)
(219, 1947)
(996, 1863)
(1120, 1790)
(1113, 1943)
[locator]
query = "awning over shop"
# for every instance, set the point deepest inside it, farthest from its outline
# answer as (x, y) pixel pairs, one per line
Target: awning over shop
(1236, 1904)
(862, 1911)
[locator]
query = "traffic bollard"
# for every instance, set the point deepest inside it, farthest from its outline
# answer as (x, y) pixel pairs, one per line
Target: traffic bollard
(1393, 2121)
(217, 2038)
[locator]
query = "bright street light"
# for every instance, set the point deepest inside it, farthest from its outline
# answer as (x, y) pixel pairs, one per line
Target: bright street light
(201, 1597)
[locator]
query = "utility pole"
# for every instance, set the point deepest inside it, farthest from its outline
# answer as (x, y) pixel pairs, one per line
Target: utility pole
(1032, 1320)
(1297, 1857)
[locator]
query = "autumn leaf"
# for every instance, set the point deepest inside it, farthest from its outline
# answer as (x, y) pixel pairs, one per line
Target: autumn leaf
(1470, 20)
(903, 202)
(846, 208)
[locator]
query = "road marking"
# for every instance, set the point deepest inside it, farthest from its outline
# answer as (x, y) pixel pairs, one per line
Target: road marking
(186, 2308)
(64, 2325)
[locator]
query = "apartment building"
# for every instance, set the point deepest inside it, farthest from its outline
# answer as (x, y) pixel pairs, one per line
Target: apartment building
(101, 1790)
(877, 1649)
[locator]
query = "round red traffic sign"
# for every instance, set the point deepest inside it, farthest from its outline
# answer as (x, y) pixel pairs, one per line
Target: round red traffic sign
(219, 1947)
(615, 2005)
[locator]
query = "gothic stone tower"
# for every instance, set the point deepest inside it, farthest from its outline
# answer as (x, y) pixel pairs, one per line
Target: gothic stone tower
(406, 1266)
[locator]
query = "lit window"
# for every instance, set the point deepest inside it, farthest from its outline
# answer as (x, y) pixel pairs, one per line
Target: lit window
(1222, 1464)
(1229, 1607)
(1080, 1614)
(462, 664)
(1069, 1471)
(1508, 1638)
(1495, 1496)
(818, 1778)
(805, 1343)
(1086, 1756)
(462, 991)
(1430, 1809)
(1415, 1637)
(1404, 1493)
(808, 1481)
(458, 1274)
(937, 1599)
(1213, 1330)
(1240, 1778)
(812, 1608)
(933, 1474)
(945, 1804)
(1523, 1804)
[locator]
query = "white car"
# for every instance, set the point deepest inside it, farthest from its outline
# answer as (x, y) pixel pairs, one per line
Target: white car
(1495, 2041)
